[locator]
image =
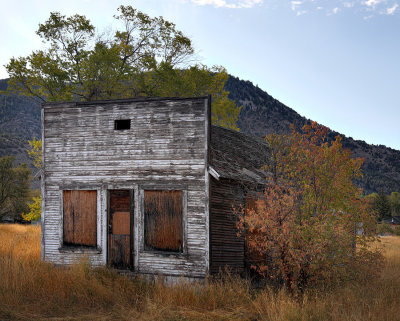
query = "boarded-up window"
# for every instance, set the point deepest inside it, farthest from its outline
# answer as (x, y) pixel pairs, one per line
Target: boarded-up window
(80, 213)
(163, 227)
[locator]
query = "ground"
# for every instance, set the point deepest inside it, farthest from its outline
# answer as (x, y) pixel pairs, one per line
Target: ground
(32, 290)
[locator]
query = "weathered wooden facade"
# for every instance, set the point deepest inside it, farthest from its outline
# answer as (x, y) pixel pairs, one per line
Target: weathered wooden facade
(144, 185)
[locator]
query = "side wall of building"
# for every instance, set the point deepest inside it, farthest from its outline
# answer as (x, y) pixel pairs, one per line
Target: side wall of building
(166, 148)
(226, 248)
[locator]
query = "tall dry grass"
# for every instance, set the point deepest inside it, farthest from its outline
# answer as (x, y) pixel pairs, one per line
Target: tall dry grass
(31, 290)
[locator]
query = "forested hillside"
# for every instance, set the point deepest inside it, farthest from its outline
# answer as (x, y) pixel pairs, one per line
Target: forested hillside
(261, 114)
(19, 121)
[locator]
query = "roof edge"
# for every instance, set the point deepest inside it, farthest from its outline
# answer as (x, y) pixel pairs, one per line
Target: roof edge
(259, 139)
(120, 101)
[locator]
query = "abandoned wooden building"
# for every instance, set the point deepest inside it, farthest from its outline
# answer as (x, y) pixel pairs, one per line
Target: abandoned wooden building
(145, 185)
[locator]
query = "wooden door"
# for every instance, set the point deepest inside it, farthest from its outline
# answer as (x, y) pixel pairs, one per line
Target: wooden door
(120, 229)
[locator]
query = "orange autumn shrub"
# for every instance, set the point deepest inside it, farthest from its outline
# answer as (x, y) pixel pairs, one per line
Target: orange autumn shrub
(311, 225)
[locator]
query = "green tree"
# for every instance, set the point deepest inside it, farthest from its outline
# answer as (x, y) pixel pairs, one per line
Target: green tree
(35, 206)
(35, 210)
(394, 200)
(145, 57)
(14, 187)
(35, 153)
(381, 205)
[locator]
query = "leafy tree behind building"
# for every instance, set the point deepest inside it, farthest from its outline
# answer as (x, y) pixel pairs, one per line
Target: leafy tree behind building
(14, 188)
(394, 200)
(145, 57)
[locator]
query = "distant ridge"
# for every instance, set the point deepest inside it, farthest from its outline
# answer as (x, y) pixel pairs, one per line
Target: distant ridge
(261, 114)
(19, 121)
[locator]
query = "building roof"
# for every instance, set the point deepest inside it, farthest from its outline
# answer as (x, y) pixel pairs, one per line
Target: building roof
(238, 156)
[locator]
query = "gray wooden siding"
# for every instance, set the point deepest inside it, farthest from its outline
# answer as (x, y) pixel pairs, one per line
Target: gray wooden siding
(166, 147)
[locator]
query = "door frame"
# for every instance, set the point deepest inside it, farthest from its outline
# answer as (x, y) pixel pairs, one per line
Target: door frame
(131, 225)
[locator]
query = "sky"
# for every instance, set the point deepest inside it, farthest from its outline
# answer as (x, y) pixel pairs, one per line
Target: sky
(333, 61)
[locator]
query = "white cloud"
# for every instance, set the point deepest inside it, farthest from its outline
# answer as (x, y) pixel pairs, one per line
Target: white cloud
(372, 3)
(295, 5)
(379, 7)
(333, 11)
(391, 10)
(367, 8)
(233, 4)
(348, 4)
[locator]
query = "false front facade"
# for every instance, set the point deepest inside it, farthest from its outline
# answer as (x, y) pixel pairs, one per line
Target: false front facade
(129, 184)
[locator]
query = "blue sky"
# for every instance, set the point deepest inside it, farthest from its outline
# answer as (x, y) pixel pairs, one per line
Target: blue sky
(333, 61)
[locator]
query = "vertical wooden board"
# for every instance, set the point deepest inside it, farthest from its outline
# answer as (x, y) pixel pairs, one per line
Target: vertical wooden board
(68, 219)
(163, 222)
(76, 218)
(119, 251)
(119, 200)
(136, 210)
(86, 233)
(80, 217)
(120, 233)
(121, 223)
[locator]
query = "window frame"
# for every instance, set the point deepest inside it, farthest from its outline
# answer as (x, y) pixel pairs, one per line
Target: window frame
(142, 248)
(122, 124)
(65, 248)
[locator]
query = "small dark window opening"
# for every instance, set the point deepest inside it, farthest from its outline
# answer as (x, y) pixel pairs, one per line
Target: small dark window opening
(121, 124)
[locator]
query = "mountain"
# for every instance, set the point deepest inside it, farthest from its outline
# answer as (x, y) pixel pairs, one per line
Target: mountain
(19, 121)
(261, 115)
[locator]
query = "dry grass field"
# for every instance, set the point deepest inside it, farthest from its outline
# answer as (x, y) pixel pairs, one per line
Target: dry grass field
(31, 290)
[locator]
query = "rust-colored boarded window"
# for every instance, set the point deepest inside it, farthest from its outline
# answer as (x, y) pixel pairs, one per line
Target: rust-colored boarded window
(80, 214)
(163, 221)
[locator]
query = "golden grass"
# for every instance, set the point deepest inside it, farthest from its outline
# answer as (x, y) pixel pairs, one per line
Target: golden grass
(32, 290)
